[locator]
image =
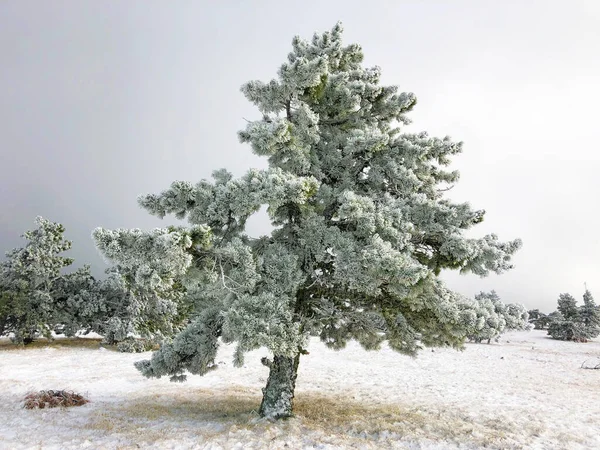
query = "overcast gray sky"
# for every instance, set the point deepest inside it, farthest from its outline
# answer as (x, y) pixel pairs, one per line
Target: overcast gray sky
(101, 101)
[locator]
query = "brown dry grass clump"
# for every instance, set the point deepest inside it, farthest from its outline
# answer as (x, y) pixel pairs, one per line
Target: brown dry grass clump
(60, 342)
(53, 399)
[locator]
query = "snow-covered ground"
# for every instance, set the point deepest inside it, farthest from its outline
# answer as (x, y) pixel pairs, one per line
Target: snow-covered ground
(527, 391)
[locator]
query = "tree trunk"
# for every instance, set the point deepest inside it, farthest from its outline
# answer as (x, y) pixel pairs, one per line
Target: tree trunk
(3, 321)
(278, 395)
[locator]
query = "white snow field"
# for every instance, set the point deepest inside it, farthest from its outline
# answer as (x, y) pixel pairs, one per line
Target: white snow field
(527, 391)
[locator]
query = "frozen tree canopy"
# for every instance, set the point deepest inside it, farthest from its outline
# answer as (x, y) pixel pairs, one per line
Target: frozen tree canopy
(361, 229)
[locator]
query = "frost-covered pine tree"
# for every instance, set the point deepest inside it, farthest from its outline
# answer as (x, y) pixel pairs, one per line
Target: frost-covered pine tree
(517, 317)
(589, 314)
(567, 306)
(361, 229)
(539, 320)
(76, 302)
(83, 304)
(144, 294)
(572, 323)
(566, 329)
(116, 320)
(490, 317)
(494, 317)
(27, 278)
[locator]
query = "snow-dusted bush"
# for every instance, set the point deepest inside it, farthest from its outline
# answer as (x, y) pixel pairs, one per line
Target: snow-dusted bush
(361, 230)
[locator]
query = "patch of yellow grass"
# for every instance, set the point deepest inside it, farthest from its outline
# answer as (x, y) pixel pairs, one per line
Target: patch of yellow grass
(157, 417)
(235, 405)
(74, 342)
(236, 409)
(347, 416)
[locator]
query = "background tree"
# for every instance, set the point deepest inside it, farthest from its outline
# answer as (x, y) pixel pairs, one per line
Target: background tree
(539, 320)
(494, 317)
(517, 317)
(107, 307)
(567, 329)
(114, 322)
(27, 278)
(567, 306)
(361, 229)
(146, 296)
(490, 317)
(589, 314)
(553, 316)
(572, 323)
(76, 302)
(37, 299)
(534, 314)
